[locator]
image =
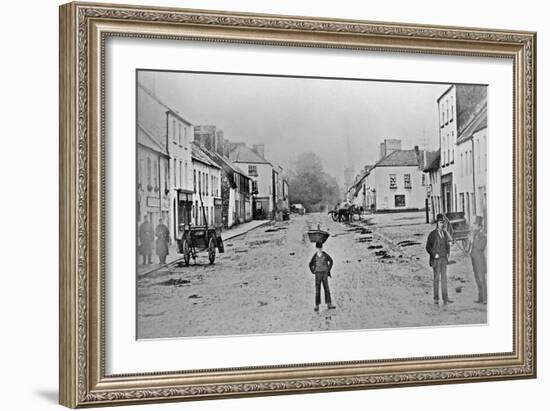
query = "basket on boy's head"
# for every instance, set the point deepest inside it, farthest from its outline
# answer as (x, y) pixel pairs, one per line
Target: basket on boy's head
(318, 236)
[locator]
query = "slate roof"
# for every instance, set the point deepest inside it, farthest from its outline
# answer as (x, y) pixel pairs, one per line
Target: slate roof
(146, 139)
(243, 154)
(478, 122)
(470, 99)
(400, 158)
(357, 185)
(432, 160)
(227, 166)
(198, 153)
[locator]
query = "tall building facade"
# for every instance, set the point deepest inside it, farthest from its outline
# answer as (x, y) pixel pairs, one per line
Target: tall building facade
(458, 107)
(164, 176)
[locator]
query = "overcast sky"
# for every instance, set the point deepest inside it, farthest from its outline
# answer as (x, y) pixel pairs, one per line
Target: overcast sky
(293, 115)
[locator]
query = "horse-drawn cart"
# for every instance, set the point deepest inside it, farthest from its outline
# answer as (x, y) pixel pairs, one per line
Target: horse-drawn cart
(459, 229)
(344, 212)
(193, 239)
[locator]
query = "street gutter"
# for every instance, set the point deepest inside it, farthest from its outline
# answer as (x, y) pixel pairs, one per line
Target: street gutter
(172, 263)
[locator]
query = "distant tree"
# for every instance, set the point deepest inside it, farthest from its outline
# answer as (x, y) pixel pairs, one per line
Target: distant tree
(309, 185)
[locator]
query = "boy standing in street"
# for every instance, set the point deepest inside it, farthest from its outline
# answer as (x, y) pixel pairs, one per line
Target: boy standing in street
(438, 247)
(320, 265)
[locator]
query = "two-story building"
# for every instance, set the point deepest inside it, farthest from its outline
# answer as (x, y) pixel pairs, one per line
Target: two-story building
(472, 167)
(396, 182)
(235, 191)
(262, 174)
(158, 121)
(152, 197)
(207, 201)
(359, 193)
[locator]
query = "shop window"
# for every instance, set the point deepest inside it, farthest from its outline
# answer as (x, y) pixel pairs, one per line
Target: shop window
(400, 200)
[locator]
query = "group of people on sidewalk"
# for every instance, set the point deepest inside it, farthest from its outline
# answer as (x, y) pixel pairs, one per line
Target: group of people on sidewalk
(147, 237)
(438, 247)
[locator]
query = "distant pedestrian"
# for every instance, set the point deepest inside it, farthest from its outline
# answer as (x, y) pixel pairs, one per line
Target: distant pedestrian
(163, 239)
(320, 265)
(438, 247)
(479, 263)
(146, 237)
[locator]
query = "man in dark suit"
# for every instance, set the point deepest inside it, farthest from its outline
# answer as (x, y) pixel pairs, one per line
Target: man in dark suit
(478, 243)
(438, 247)
(320, 265)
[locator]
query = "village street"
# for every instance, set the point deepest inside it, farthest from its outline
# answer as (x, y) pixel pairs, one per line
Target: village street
(262, 284)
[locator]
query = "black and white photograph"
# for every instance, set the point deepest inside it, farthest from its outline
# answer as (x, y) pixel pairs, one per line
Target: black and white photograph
(273, 204)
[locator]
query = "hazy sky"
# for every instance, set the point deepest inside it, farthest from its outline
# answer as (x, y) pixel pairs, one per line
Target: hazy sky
(293, 115)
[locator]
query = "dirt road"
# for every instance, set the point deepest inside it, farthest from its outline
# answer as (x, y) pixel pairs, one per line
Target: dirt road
(262, 284)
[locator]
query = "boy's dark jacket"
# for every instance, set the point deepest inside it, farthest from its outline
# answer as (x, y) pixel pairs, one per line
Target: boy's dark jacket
(321, 265)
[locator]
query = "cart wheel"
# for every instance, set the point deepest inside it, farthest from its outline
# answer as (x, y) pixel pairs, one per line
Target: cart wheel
(211, 250)
(464, 246)
(186, 252)
(334, 216)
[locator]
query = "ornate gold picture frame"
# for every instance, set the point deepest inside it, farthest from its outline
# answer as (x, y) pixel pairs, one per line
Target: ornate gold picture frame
(84, 30)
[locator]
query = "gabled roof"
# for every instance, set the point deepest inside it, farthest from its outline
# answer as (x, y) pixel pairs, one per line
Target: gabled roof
(146, 139)
(470, 99)
(243, 154)
(357, 185)
(227, 166)
(198, 154)
(478, 122)
(432, 160)
(400, 158)
(154, 97)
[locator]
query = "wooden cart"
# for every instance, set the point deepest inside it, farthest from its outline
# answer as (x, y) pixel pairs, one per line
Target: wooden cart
(459, 229)
(193, 239)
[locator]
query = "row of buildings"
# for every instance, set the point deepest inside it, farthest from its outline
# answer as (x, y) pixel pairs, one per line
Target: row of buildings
(191, 175)
(452, 178)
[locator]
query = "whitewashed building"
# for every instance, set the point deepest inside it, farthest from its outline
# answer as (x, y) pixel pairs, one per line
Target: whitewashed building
(447, 143)
(158, 122)
(457, 107)
(207, 202)
(471, 178)
(152, 194)
(359, 193)
(263, 176)
(396, 182)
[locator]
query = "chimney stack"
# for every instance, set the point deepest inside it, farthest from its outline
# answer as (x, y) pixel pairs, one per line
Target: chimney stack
(219, 142)
(258, 149)
(226, 148)
(417, 153)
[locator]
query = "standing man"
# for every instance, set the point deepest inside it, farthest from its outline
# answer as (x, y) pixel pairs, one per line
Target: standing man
(438, 247)
(146, 237)
(163, 239)
(320, 265)
(478, 243)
